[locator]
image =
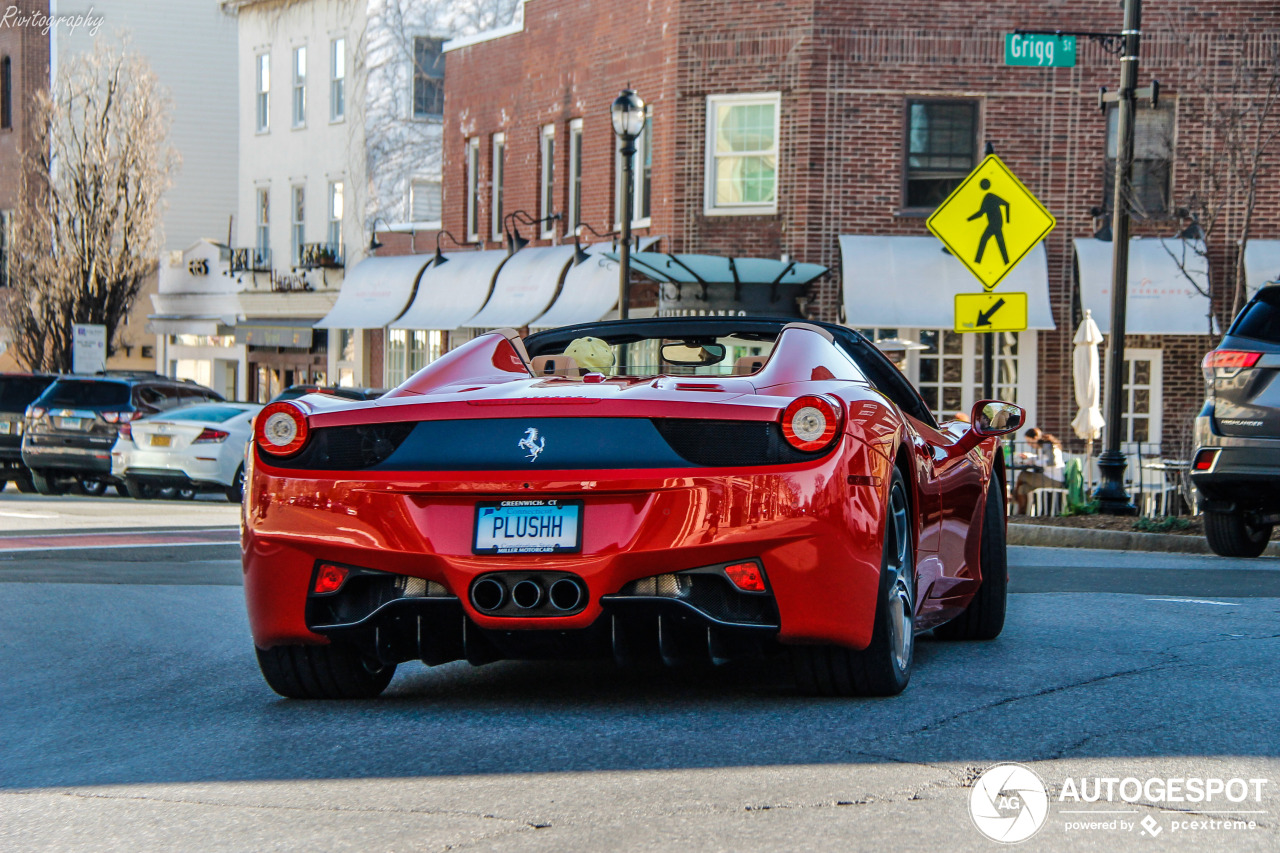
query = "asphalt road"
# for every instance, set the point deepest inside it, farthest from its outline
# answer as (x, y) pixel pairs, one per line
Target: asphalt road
(132, 717)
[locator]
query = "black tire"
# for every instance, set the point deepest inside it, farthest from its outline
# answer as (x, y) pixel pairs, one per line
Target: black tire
(47, 485)
(983, 619)
(139, 490)
(3, 483)
(883, 668)
(235, 492)
(334, 671)
(25, 485)
(1230, 535)
(92, 488)
(186, 493)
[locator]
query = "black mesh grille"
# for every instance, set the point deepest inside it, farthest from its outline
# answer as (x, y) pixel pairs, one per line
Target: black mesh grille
(347, 448)
(730, 444)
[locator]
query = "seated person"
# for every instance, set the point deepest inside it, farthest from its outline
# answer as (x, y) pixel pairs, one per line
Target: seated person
(592, 354)
(1047, 455)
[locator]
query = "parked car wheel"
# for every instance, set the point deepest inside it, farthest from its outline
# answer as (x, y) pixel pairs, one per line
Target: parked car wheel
(139, 490)
(48, 485)
(1230, 535)
(883, 668)
(92, 488)
(334, 671)
(235, 491)
(983, 619)
(25, 485)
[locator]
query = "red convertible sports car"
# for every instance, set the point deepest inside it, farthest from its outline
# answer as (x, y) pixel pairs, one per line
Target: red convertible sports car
(675, 489)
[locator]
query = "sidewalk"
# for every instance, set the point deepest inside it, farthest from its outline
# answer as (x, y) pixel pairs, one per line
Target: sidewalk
(1044, 535)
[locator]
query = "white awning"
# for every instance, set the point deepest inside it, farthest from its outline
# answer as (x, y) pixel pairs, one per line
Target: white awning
(1261, 264)
(1162, 299)
(910, 281)
(450, 294)
(590, 289)
(525, 286)
(375, 292)
(220, 307)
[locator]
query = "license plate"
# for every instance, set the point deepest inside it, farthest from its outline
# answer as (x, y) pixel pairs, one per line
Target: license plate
(161, 440)
(68, 423)
(528, 527)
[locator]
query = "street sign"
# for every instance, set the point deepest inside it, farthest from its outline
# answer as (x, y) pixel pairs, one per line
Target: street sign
(88, 348)
(990, 222)
(1040, 51)
(991, 312)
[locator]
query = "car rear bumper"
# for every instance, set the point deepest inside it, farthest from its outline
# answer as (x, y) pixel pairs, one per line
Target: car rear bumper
(820, 551)
(171, 467)
(1242, 472)
(93, 461)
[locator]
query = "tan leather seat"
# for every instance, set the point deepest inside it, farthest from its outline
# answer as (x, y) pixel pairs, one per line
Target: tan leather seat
(748, 364)
(554, 365)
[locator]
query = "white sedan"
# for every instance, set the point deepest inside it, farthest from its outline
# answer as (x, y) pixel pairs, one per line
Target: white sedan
(188, 449)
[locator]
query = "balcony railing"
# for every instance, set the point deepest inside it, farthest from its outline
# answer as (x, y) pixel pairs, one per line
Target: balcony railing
(321, 256)
(250, 260)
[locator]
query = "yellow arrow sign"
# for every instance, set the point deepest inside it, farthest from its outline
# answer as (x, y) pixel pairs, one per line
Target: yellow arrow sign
(991, 221)
(991, 312)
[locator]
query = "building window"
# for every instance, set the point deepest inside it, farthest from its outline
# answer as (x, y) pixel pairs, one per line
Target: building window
(408, 351)
(428, 78)
(264, 220)
(299, 222)
(337, 80)
(299, 86)
(575, 175)
(642, 167)
(499, 160)
(942, 148)
(6, 93)
(335, 216)
(547, 196)
(264, 92)
(6, 241)
(742, 154)
(424, 201)
(1152, 157)
(1142, 401)
(473, 189)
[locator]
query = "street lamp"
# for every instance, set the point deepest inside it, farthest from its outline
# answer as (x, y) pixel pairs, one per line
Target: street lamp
(374, 243)
(628, 115)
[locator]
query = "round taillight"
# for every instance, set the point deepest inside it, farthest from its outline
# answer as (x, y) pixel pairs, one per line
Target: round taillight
(281, 428)
(811, 423)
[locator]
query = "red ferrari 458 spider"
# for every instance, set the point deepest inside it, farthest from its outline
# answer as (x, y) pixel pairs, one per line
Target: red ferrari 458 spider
(680, 489)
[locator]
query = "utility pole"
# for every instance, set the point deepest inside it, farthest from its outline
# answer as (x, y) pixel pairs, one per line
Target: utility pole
(988, 338)
(1111, 494)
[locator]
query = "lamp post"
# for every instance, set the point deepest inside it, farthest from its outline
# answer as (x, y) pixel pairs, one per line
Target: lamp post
(628, 115)
(1111, 494)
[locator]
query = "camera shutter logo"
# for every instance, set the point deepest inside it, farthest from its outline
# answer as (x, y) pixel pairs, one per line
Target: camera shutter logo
(1009, 803)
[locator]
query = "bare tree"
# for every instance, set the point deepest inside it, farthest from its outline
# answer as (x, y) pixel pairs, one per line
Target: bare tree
(1231, 109)
(86, 230)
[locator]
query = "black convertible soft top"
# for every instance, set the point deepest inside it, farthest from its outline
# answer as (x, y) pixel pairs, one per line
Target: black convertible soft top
(880, 370)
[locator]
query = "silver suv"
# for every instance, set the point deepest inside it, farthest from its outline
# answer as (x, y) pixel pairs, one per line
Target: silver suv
(1236, 466)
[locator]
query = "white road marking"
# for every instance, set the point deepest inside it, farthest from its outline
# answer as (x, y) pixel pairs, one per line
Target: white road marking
(20, 514)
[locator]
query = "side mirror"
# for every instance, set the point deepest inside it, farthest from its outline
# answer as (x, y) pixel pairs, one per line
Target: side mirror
(993, 417)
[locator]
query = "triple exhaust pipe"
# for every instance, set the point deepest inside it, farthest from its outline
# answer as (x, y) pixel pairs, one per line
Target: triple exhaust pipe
(530, 595)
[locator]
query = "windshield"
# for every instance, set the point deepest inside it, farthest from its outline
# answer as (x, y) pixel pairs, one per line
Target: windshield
(207, 414)
(86, 393)
(727, 355)
(17, 392)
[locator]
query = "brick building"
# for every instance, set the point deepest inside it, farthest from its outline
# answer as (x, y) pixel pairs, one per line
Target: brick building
(837, 128)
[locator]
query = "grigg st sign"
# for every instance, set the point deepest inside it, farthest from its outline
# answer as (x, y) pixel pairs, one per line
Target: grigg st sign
(1041, 51)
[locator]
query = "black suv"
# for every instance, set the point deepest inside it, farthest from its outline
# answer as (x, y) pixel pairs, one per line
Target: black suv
(71, 427)
(17, 391)
(1236, 466)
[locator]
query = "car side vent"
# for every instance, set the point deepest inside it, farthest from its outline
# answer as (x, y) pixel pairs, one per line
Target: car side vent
(729, 444)
(348, 448)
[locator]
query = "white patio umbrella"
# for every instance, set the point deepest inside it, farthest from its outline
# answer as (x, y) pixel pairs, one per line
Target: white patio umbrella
(1086, 371)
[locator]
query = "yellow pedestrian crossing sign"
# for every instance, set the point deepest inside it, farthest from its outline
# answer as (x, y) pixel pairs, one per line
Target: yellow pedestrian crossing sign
(991, 312)
(990, 222)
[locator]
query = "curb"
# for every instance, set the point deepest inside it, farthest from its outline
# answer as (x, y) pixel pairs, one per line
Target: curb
(1049, 536)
